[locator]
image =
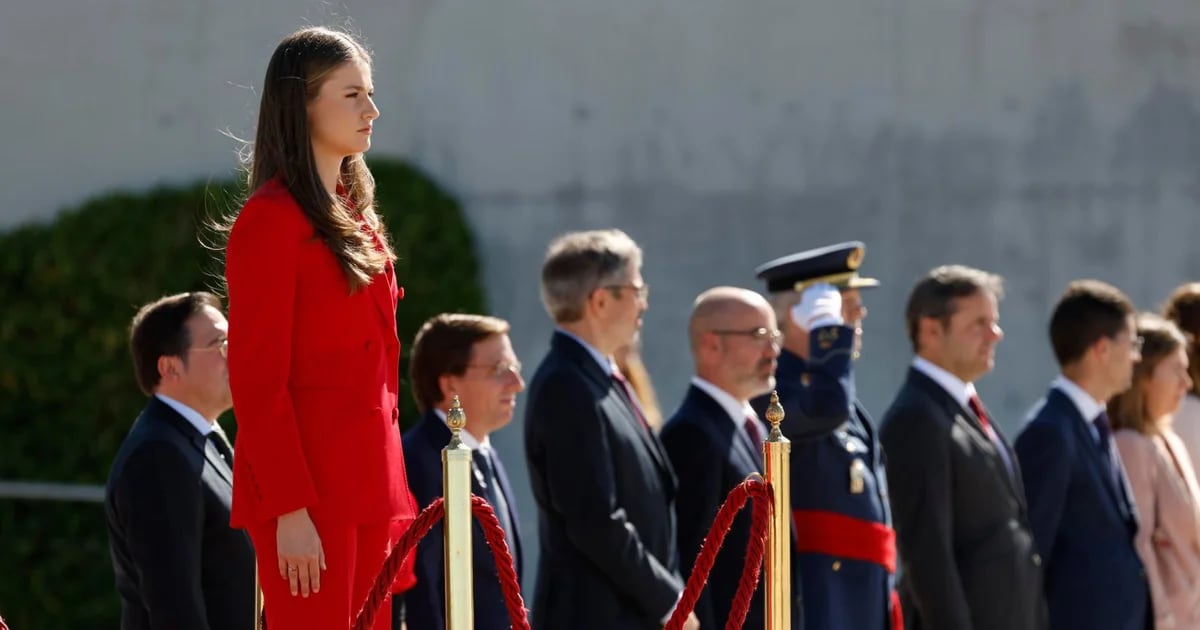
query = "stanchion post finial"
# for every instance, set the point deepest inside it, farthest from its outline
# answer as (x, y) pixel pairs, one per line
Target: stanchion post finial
(777, 454)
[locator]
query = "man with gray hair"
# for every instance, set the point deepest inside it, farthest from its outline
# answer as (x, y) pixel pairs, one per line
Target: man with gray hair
(604, 487)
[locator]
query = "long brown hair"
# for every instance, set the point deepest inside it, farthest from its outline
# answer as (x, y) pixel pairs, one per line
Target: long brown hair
(629, 362)
(1160, 337)
(1183, 308)
(283, 149)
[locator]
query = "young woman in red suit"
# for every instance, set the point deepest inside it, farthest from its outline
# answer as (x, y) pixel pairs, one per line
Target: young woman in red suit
(319, 477)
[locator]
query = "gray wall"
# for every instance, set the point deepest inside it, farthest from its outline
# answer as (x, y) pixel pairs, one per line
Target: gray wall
(1044, 140)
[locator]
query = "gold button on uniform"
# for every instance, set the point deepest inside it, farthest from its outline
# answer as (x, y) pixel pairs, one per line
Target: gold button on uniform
(837, 565)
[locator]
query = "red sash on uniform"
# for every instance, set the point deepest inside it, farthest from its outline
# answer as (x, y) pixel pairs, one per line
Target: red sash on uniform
(830, 533)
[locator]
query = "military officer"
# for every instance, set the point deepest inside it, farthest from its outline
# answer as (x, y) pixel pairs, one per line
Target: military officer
(845, 546)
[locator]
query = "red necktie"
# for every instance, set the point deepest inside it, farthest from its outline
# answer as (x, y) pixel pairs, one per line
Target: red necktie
(629, 397)
(751, 426)
(976, 406)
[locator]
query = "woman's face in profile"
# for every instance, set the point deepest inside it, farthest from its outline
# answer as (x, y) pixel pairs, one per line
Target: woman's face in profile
(1167, 384)
(342, 113)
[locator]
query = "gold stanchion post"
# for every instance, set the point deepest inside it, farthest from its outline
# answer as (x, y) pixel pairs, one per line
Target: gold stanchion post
(456, 486)
(777, 453)
(258, 601)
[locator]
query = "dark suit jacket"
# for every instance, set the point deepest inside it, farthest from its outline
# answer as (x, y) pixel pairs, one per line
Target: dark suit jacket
(605, 493)
(711, 455)
(178, 564)
(425, 603)
(1084, 525)
(968, 556)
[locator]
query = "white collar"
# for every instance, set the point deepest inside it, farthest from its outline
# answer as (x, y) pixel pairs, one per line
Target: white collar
(1088, 407)
(191, 415)
(473, 443)
(959, 390)
(738, 411)
(606, 363)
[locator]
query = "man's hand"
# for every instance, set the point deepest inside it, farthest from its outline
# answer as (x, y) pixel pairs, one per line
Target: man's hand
(301, 557)
(692, 622)
(820, 305)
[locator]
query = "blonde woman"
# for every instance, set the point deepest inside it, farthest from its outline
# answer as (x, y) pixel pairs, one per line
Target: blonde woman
(1160, 473)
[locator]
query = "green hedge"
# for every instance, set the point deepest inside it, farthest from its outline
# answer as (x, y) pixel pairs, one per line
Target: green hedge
(67, 392)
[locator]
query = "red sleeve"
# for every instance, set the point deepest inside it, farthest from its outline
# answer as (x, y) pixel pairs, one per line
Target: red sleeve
(261, 274)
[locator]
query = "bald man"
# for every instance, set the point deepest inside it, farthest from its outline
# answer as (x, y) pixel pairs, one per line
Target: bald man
(714, 439)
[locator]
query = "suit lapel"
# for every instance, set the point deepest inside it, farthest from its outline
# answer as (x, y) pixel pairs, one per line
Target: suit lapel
(1092, 453)
(502, 479)
(579, 355)
(383, 294)
(952, 408)
(164, 413)
(712, 411)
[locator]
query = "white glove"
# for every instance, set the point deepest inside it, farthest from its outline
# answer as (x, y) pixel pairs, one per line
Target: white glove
(820, 305)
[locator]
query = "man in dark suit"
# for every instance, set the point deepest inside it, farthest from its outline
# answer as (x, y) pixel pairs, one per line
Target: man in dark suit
(604, 487)
(1080, 503)
(845, 547)
(469, 356)
(969, 560)
(715, 438)
(178, 564)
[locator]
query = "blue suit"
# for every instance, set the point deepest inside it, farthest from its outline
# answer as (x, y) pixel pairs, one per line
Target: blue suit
(830, 432)
(711, 455)
(1083, 524)
(425, 603)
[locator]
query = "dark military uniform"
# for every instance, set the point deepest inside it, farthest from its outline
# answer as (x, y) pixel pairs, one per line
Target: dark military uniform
(845, 545)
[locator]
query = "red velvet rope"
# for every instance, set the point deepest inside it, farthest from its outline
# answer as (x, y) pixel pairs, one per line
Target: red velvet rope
(425, 521)
(752, 488)
(504, 562)
(755, 488)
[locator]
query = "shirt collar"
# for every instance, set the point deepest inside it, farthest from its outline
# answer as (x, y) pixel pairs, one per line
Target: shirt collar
(959, 390)
(738, 411)
(1088, 407)
(473, 443)
(191, 415)
(606, 363)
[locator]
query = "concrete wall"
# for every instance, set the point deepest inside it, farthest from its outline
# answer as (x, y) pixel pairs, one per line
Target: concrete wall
(1044, 140)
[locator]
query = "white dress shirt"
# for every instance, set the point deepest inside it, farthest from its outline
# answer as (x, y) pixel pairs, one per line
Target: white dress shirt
(191, 415)
(738, 411)
(962, 392)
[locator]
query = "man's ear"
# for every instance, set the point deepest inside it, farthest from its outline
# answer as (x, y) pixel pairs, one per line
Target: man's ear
(448, 384)
(929, 329)
(169, 368)
(598, 299)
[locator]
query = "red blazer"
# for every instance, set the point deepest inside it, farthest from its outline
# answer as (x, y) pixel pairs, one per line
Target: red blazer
(314, 371)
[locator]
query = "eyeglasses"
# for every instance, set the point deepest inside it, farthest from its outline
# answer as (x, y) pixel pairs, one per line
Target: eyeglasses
(221, 346)
(643, 289)
(1135, 343)
(757, 334)
(499, 370)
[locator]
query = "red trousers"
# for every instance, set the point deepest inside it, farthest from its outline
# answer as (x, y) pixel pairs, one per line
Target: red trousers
(354, 555)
